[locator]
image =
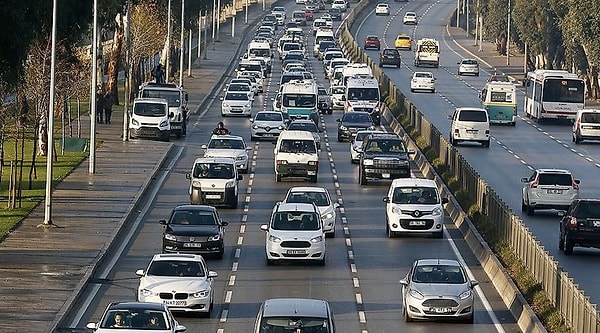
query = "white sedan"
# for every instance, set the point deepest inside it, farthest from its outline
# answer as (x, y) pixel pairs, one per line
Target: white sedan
(382, 9)
(410, 18)
(236, 103)
(232, 146)
(422, 81)
(180, 281)
(321, 198)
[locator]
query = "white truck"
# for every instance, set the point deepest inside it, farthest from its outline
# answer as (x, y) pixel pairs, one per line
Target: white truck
(427, 52)
(177, 99)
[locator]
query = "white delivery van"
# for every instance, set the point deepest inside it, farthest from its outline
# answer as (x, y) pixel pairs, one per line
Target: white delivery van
(470, 124)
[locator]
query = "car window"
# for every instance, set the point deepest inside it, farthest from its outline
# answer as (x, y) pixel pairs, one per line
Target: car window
(176, 268)
(588, 209)
(372, 38)
(193, 217)
(226, 144)
(304, 126)
(213, 170)
(555, 179)
(472, 115)
(271, 116)
(134, 319)
(438, 274)
(298, 146)
(295, 221)
(318, 198)
(291, 324)
(590, 117)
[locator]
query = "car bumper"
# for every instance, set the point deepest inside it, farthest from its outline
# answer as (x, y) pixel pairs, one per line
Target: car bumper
(297, 170)
(438, 308)
(153, 133)
(377, 173)
(264, 134)
(315, 251)
(215, 197)
(412, 225)
(213, 247)
(190, 304)
(236, 111)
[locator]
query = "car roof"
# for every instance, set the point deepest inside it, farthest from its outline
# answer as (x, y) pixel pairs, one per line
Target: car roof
(227, 160)
(137, 305)
(385, 135)
(177, 257)
(307, 189)
(451, 262)
(550, 170)
(296, 135)
(298, 207)
(295, 307)
(195, 207)
(228, 136)
(413, 182)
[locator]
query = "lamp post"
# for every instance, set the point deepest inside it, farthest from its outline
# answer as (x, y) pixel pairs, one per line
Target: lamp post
(467, 13)
(508, 37)
(234, 14)
(181, 43)
(246, 15)
(127, 74)
(218, 18)
(92, 157)
(168, 56)
(457, 13)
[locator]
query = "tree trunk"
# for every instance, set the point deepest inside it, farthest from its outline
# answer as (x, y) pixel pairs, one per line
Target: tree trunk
(114, 60)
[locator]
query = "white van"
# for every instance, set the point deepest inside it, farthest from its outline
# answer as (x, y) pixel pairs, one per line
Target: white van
(214, 181)
(470, 124)
(586, 125)
(296, 155)
(321, 35)
(150, 119)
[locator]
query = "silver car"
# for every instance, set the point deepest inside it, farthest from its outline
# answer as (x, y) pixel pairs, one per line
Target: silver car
(232, 146)
(438, 289)
(468, 66)
(306, 125)
(267, 125)
(548, 189)
(320, 197)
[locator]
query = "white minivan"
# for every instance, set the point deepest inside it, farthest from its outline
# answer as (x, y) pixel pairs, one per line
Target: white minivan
(296, 155)
(470, 124)
(586, 125)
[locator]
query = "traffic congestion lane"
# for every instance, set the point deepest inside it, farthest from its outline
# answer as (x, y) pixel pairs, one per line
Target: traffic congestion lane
(527, 146)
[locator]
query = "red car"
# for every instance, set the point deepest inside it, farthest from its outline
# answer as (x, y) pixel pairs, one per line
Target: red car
(372, 42)
(308, 14)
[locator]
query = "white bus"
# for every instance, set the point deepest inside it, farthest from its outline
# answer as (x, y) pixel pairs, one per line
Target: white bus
(553, 94)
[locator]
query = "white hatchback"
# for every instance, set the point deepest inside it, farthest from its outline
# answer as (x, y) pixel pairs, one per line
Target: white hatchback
(422, 81)
(236, 103)
(320, 197)
(382, 9)
(410, 18)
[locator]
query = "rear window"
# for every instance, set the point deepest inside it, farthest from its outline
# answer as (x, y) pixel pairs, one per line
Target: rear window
(372, 38)
(555, 179)
(472, 115)
(469, 62)
(589, 209)
(590, 117)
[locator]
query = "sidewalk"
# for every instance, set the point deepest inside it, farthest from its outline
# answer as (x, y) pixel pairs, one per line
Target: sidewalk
(43, 269)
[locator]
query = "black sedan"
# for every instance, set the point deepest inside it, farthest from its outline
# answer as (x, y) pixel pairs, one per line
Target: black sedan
(336, 14)
(194, 229)
(351, 123)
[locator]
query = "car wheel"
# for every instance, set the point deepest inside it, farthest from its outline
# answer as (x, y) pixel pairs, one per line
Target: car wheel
(221, 253)
(313, 179)
(405, 315)
(330, 111)
(331, 234)
(486, 144)
(412, 90)
(362, 177)
(439, 235)
(388, 231)
(530, 210)
(277, 178)
(568, 247)
(433, 91)
(234, 202)
(576, 139)
(270, 262)
(561, 244)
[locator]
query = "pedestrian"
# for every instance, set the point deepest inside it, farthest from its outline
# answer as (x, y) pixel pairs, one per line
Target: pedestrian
(108, 103)
(159, 74)
(99, 107)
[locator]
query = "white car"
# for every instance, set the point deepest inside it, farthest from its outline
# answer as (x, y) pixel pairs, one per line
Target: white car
(247, 81)
(337, 94)
(231, 146)
(294, 232)
(240, 87)
(382, 9)
(341, 4)
(356, 144)
(468, 66)
(422, 81)
(256, 76)
(267, 125)
(280, 10)
(548, 189)
(135, 317)
(181, 281)
(320, 197)
(236, 103)
(410, 18)
(279, 18)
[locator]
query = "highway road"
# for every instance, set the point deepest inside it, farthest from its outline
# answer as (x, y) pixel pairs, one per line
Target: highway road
(515, 151)
(363, 266)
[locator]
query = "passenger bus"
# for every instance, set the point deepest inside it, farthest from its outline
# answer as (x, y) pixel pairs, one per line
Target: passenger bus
(553, 94)
(499, 99)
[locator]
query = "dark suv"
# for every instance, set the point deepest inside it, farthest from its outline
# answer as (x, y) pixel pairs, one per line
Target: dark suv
(580, 225)
(389, 57)
(384, 156)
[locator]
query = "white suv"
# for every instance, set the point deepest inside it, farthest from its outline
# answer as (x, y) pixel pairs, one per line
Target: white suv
(413, 205)
(295, 232)
(214, 181)
(548, 189)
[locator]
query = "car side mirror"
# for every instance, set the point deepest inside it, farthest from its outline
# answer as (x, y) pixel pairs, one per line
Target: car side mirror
(561, 213)
(264, 227)
(474, 283)
(162, 222)
(386, 199)
(139, 272)
(577, 181)
(224, 223)
(338, 120)
(203, 146)
(248, 148)
(188, 176)
(403, 282)
(524, 180)
(240, 177)
(449, 117)
(221, 99)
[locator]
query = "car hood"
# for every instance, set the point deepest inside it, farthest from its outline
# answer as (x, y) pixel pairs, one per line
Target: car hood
(439, 289)
(271, 124)
(192, 230)
(224, 153)
(399, 156)
(174, 283)
(359, 125)
(236, 102)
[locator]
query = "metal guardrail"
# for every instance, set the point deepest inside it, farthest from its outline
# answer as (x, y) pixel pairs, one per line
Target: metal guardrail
(564, 293)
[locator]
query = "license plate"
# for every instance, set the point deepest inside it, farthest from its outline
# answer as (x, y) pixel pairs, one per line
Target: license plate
(441, 310)
(311, 173)
(596, 224)
(192, 244)
(385, 175)
(416, 223)
(296, 251)
(472, 131)
(267, 134)
(213, 196)
(555, 191)
(176, 126)
(175, 303)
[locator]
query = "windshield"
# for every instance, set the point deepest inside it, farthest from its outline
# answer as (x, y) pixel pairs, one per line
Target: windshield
(295, 221)
(289, 77)
(304, 126)
(385, 146)
(149, 109)
(447, 274)
(269, 116)
(363, 94)
(473, 115)
(562, 90)
(260, 53)
(226, 144)
(339, 90)
(294, 325)
(135, 318)
(298, 146)
(231, 96)
(356, 117)
(415, 195)
(175, 268)
(213, 171)
(238, 87)
(319, 198)
(172, 97)
(300, 100)
(193, 217)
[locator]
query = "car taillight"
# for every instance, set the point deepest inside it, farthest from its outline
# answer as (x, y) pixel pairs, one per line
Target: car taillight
(575, 185)
(578, 124)
(534, 184)
(573, 222)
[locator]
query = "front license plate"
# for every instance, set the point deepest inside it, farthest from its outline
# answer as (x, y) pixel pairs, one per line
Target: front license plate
(441, 310)
(416, 223)
(311, 173)
(175, 303)
(267, 134)
(296, 251)
(385, 175)
(192, 244)
(213, 196)
(596, 224)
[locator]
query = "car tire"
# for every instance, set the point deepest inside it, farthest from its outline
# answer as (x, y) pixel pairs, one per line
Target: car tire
(270, 262)
(234, 203)
(313, 179)
(388, 231)
(470, 319)
(340, 139)
(220, 254)
(252, 138)
(568, 247)
(277, 178)
(362, 177)
(405, 315)
(412, 90)
(433, 91)
(530, 210)
(486, 144)
(321, 262)
(439, 234)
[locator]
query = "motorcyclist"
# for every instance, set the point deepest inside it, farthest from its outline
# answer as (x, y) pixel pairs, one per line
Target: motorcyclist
(221, 130)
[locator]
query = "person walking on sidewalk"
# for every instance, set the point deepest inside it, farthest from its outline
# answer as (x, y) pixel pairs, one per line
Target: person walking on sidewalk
(99, 107)
(108, 104)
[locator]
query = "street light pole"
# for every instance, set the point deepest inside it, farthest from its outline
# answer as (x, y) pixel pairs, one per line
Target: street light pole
(181, 43)
(508, 37)
(233, 19)
(458, 13)
(199, 32)
(467, 13)
(127, 74)
(168, 56)
(246, 15)
(218, 18)
(50, 130)
(92, 158)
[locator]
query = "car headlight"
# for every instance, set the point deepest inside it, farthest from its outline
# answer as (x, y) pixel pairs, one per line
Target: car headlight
(327, 216)
(135, 122)
(437, 211)
(214, 238)
(281, 127)
(196, 183)
(317, 239)
(254, 126)
(343, 128)
(396, 210)
(367, 162)
(240, 158)
(415, 294)
(225, 105)
(171, 237)
(274, 239)
(164, 123)
(465, 294)
(200, 294)
(230, 183)
(146, 292)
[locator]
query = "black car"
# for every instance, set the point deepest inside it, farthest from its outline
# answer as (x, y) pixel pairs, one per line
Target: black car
(194, 229)
(580, 225)
(389, 56)
(351, 123)
(383, 156)
(336, 14)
